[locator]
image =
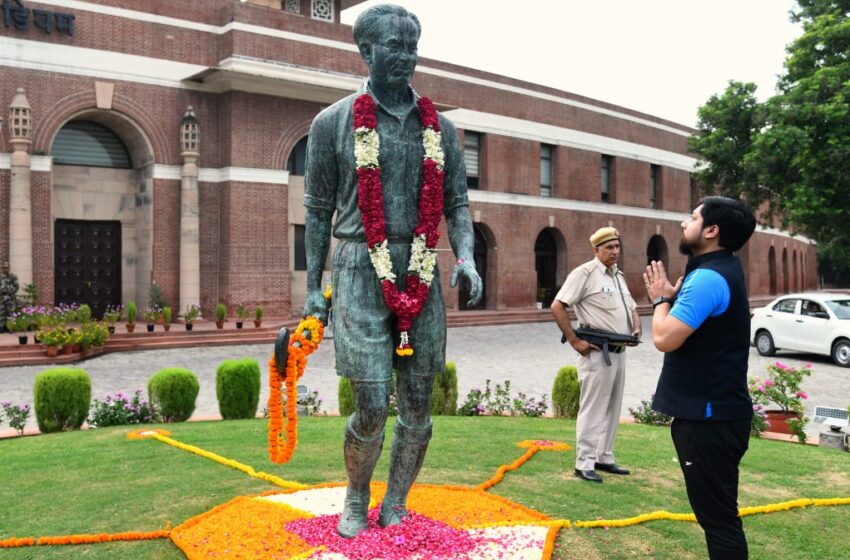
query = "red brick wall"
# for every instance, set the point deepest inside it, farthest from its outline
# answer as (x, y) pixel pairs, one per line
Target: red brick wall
(166, 239)
(42, 235)
(209, 201)
(254, 247)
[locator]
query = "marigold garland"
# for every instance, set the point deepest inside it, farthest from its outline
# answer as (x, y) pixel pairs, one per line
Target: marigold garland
(229, 463)
(533, 447)
(303, 342)
(406, 303)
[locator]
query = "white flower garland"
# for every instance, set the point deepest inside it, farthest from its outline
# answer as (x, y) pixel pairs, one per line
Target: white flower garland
(423, 260)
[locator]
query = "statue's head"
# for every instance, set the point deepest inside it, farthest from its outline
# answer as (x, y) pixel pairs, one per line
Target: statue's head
(387, 36)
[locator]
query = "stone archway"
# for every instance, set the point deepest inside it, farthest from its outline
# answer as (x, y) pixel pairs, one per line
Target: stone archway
(656, 250)
(480, 254)
(550, 262)
(771, 270)
(93, 197)
(785, 283)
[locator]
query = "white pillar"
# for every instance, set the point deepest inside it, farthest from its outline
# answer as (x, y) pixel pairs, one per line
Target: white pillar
(20, 199)
(190, 247)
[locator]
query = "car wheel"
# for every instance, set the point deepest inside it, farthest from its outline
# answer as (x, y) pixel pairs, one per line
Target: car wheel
(764, 343)
(841, 353)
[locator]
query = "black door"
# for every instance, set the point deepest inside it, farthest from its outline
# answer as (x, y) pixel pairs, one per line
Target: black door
(546, 263)
(88, 263)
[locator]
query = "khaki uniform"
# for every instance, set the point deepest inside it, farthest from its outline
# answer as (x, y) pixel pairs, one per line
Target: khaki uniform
(595, 295)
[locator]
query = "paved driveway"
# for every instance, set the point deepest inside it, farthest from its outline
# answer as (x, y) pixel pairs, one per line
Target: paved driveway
(529, 355)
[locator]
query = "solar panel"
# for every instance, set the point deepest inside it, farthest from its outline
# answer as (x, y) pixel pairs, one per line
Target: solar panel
(832, 417)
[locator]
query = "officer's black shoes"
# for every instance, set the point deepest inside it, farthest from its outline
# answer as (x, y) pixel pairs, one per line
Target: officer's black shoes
(613, 468)
(588, 475)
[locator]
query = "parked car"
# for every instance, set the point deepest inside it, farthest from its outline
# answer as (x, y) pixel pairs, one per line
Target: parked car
(814, 322)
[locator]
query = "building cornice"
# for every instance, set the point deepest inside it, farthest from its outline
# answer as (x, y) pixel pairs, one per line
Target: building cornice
(137, 15)
(510, 199)
(549, 134)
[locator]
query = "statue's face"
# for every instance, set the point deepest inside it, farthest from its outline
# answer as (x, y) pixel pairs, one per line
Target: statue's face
(392, 58)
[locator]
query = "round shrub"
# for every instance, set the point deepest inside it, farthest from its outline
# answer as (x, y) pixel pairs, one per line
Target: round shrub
(237, 387)
(565, 393)
(346, 397)
(444, 395)
(173, 392)
(62, 397)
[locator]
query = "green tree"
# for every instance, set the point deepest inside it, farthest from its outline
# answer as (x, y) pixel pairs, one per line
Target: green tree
(791, 151)
(728, 124)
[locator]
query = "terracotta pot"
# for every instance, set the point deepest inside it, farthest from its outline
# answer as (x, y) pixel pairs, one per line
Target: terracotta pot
(257, 324)
(779, 420)
(166, 326)
(219, 324)
(68, 348)
(130, 327)
(52, 350)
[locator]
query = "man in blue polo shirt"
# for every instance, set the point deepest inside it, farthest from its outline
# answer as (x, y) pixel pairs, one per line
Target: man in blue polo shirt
(702, 323)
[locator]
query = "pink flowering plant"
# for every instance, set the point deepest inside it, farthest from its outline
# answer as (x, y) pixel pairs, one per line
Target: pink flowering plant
(781, 388)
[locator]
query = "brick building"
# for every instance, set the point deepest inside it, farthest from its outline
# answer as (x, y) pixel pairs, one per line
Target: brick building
(164, 142)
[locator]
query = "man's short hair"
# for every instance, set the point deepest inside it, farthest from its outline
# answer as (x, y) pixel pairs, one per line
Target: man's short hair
(735, 221)
(367, 23)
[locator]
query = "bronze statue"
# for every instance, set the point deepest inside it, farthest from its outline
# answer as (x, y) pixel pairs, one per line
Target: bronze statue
(389, 167)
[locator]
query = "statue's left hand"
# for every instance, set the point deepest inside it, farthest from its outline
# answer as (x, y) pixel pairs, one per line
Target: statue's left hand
(466, 269)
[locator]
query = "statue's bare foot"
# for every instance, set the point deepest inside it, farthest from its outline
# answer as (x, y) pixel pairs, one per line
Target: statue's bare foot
(391, 514)
(353, 518)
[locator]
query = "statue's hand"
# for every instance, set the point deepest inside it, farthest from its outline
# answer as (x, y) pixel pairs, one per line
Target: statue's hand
(466, 269)
(317, 306)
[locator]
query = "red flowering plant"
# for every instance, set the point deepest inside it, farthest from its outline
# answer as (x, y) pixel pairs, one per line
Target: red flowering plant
(781, 388)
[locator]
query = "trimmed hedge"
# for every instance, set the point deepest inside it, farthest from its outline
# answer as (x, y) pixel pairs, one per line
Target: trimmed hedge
(444, 395)
(237, 387)
(565, 393)
(62, 398)
(345, 392)
(173, 392)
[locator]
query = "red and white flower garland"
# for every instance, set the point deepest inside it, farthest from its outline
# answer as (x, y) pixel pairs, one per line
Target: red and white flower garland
(408, 303)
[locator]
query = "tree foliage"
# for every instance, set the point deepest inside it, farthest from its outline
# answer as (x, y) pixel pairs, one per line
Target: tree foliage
(790, 151)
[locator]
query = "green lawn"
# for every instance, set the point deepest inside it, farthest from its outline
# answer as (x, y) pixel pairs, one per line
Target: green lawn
(98, 481)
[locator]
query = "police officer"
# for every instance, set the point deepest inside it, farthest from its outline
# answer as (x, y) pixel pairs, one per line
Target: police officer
(598, 293)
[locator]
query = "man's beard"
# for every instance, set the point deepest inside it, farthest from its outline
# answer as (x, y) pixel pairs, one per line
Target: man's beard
(685, 248)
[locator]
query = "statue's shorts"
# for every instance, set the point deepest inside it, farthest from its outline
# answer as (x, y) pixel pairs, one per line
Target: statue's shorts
(365, 335)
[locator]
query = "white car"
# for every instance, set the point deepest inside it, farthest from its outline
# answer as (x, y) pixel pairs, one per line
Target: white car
(813, 322)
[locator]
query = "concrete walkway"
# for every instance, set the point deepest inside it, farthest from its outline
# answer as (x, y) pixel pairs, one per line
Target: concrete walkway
(529, 355)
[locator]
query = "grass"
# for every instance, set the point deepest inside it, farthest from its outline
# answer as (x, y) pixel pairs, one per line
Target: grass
(98, 481)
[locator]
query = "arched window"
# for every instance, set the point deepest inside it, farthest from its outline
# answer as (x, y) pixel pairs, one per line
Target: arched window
(90, 144)
(479, 253)
(297, 162)
(771, 270)
(546, 263)
(656, 250)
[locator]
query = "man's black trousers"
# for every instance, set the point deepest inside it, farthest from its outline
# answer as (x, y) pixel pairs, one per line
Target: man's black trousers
(709, 454)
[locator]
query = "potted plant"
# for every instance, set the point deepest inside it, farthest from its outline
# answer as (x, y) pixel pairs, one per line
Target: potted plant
(54, 338)
(131, 316)
(192, 313)
(166, 318)
(18, 323)
(111, 316)
(258, 316)
(152, 315)
(220, 314)
(781, 388)
(241, 313)
(74, 339)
